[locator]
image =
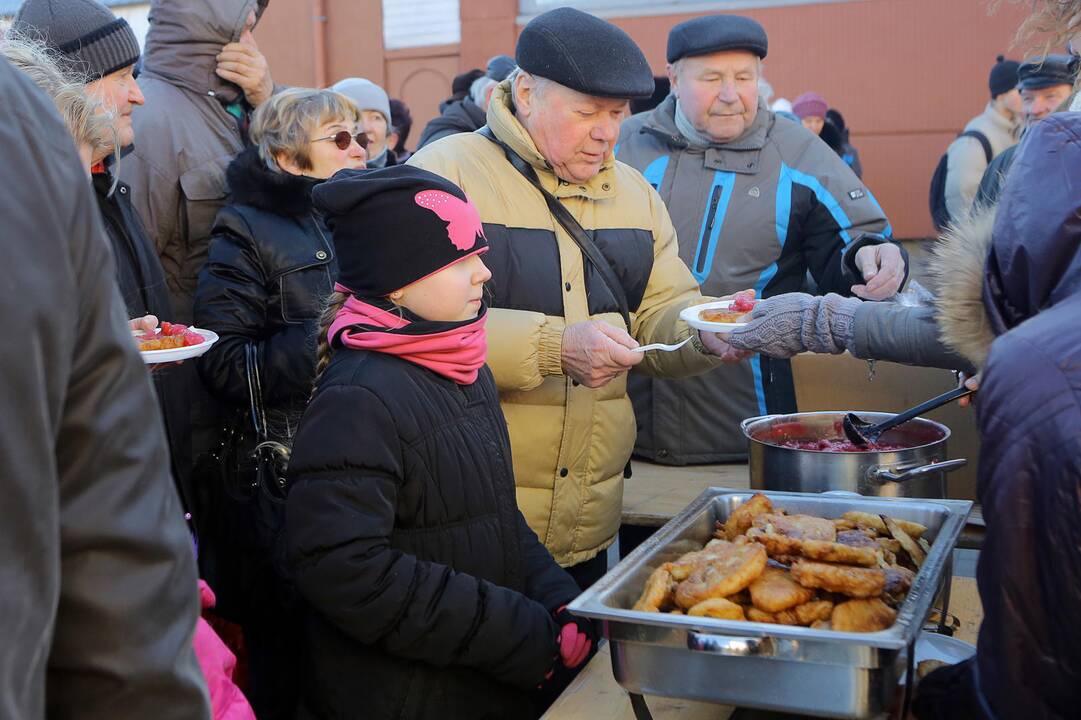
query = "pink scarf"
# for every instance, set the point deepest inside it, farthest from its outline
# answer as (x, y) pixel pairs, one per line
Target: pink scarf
(456, 351)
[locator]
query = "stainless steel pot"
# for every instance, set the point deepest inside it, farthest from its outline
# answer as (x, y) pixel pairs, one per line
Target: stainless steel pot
(919, 470)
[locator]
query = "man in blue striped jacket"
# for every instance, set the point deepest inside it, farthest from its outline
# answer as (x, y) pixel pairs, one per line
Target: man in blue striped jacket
(757, 201)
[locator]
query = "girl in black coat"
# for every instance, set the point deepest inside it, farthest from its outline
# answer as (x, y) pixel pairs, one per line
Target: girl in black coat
(429, 595)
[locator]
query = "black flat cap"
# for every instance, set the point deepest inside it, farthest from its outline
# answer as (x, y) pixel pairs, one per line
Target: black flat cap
(716, 33)
(1041, 72)
(584, 53)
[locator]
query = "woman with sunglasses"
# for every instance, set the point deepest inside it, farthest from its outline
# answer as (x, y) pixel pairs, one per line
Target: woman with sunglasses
(270, 268)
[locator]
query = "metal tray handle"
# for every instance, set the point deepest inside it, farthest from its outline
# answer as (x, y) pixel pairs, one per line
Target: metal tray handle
(885, 475)
(729, 644)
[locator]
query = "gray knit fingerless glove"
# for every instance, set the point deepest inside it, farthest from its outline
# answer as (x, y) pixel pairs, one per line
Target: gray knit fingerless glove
(792, 323)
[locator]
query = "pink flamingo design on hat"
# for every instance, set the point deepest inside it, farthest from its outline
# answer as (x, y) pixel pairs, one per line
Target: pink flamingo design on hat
(463, 220)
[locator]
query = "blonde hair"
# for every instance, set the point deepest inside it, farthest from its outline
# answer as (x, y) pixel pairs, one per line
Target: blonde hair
(88, 121)
(324, 350)
(283, 124)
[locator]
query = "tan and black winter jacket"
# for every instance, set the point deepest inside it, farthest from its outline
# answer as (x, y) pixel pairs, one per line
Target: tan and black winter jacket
(570, 443)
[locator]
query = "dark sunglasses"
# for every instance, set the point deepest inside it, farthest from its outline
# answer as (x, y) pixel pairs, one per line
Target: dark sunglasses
(343, 138)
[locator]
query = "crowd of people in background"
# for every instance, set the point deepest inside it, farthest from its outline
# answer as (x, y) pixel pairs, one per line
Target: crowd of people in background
(404, 456)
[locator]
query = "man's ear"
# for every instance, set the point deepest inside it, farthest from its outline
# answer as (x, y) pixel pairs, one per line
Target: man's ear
(673, 79)
(525, 87)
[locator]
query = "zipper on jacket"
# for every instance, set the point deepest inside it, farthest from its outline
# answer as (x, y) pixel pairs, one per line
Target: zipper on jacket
(712, 215)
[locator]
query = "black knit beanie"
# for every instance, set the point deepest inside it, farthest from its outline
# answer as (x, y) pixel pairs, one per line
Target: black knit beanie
(85, 33)
(394, 226)
(1003, 76)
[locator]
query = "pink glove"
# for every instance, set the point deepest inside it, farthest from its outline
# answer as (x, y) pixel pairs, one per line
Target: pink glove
(575, 638)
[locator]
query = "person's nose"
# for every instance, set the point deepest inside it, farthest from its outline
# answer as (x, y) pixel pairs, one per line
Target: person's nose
(356, 151)
(607, 130)
(482, 274)
(135, 93)
(727, 93)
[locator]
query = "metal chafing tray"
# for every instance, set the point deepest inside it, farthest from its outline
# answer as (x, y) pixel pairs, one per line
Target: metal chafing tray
(758, 665)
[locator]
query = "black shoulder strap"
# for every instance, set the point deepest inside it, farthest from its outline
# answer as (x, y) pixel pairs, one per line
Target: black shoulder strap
(573, 228)
(984, 143)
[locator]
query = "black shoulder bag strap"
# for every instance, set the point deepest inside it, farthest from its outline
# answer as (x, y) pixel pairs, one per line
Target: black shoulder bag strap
(573, 228)
(988, 153)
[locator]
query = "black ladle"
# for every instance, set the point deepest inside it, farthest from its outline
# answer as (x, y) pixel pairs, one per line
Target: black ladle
(862, 433)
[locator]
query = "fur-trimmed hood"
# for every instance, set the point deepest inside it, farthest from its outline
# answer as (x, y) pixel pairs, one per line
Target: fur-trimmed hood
(1002, 266)
(253, 183)
(960, 258)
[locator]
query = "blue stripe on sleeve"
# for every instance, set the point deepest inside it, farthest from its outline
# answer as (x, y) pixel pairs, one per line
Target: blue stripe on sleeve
(707, 247)
(826, 198)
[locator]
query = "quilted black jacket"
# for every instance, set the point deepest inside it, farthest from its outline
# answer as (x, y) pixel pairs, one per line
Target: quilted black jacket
(429, 595)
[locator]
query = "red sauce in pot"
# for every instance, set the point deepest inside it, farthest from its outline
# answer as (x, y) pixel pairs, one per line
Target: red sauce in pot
(838, 446)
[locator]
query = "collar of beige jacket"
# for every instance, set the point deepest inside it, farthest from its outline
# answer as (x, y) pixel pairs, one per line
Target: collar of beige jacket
(506, 127)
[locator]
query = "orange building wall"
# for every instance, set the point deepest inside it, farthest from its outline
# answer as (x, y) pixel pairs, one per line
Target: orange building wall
(907, 74)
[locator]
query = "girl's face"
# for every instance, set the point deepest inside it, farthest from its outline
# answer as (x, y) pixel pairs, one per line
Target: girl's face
(451, 295)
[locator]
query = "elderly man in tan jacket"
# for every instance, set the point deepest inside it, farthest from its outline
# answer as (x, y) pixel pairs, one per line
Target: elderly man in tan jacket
(559, 344)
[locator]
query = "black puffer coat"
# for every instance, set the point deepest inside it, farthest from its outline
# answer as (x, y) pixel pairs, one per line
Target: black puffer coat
(271, 268)
(458, 117)
(1028, 661)
(430, 596)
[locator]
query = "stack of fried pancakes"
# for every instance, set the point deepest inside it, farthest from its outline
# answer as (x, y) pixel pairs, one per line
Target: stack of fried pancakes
(847, 574)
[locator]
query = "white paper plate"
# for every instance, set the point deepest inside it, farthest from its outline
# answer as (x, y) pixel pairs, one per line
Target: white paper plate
(690, 316)
(932, 646)
(153, 357)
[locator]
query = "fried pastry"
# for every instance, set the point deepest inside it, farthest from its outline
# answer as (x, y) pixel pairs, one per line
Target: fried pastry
(717, 608)
(729, 570)
(859, 582)
(658, 592)
(909, 545)
(875, 522)
(775, 590)
(798, 527)
(804, 614)
(782, 546)
(741, 517)
(870, 615)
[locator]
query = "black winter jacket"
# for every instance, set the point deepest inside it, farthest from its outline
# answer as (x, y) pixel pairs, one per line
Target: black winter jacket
(142, 286)
(459, 117)
(430, 596)
(270, 269)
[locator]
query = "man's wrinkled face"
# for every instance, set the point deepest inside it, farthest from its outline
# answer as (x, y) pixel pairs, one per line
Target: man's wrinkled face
(1038, 104)
(119, 94)
(574, 132)
(718, 92)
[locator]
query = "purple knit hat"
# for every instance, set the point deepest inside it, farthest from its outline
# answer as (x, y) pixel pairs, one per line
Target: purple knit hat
(810, 104)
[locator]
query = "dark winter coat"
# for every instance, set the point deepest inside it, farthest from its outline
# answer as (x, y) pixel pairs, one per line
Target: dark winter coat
(99, 597)
(1017, 319)
(270, 270)
(143, 288)
(458, 117)
(430, 596)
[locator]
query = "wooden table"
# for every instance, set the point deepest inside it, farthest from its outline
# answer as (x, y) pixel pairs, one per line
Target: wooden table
(654, 494)
(595, 695)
